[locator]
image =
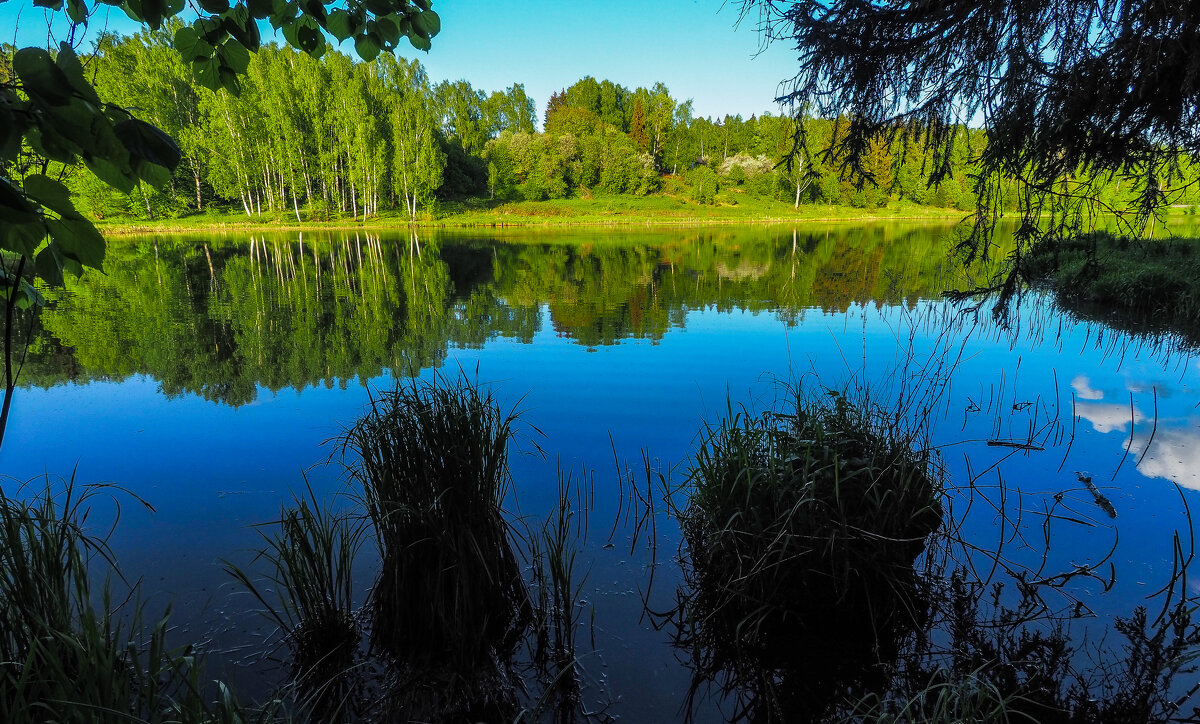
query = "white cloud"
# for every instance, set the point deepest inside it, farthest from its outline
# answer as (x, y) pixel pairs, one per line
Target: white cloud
(1174, 455)
(1108, 417)
(1083, 389)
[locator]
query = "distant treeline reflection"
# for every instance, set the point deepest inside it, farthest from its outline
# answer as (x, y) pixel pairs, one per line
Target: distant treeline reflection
(220, 317)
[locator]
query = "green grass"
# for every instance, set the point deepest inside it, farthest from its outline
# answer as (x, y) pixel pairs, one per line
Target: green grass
(1154, 284)
(308, 592)
(69, 652)
(655, 209)
(802, 530)
(431, 461)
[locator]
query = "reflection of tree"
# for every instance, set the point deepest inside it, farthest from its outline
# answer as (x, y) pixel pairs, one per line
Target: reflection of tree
(218, 318)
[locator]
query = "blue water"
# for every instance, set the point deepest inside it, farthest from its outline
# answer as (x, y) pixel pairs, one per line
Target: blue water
(1099, 403)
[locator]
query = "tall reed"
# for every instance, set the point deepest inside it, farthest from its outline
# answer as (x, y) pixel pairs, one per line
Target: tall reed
(431, 459)
(310, 596)
(69, 652)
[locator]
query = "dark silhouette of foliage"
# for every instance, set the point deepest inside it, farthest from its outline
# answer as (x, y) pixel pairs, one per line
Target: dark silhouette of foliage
(1071, 94)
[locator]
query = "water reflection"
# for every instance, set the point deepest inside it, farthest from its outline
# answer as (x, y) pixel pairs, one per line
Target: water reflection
(219, 318)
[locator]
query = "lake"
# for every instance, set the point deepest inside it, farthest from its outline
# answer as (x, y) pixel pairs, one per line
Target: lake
(206, 374)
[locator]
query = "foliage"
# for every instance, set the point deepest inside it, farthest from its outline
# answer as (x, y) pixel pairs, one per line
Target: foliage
(310, 596)
(1072, 96)
(50, 112)
(70, 652)
(287, 312)
(1154, 282)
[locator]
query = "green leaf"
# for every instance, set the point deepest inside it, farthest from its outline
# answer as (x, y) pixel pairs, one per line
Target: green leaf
(388, 32)
(14, 207)
(69, 64)
(234, 55)
(243, 27)
(338, 24)
(77, 10)
(419, 42)
(49, 143)
(49, 265)
(367, 47)
(259, 9)
(12, 123)
(118, 175)
(208, 73)
(154, 154)
(22, 238)
(79, 124)
(43, 80)
(51, 194)
(310, 37)
(78, 241)
(28, 296)
(216, 7)
(52, 4)
(427, 24)
(423, 4)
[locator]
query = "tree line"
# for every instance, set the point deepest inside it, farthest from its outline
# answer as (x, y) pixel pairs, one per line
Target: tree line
(325, 137)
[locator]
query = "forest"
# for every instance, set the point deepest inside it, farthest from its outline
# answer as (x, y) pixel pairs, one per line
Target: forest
(330, 137)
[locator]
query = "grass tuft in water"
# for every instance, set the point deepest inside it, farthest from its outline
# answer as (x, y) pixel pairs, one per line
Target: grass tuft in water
(431, 459)
(70, 653)
(801, 534)
(310, 595)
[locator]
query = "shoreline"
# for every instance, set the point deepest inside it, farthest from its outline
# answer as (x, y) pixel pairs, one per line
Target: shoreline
(532, 221)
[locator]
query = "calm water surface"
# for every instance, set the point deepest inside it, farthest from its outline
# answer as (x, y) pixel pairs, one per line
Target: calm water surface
(205, 375)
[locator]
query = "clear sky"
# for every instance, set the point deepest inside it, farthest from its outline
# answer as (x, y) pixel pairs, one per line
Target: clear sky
(690, 45)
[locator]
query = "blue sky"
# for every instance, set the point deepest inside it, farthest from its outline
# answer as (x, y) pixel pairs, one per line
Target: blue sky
(691, 45)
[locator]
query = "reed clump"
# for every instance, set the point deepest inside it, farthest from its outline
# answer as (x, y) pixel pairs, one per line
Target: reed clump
(801, 532)
(431, 460)
(310, 596)
(68, 652)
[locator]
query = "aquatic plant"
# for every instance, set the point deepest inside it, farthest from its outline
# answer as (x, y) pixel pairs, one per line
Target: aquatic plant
(1152, 282)
(309, 593)
(557, 588)
(431, 461)
(71, 653)
(801, 533)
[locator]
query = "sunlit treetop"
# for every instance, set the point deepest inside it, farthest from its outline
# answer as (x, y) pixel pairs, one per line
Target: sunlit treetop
(1069, 91)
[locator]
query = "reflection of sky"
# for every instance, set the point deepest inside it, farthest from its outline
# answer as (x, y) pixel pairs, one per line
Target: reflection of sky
(1083, 388)
(1108, 417)
(1174, 455)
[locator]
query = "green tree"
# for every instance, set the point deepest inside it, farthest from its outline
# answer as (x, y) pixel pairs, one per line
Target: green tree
(637, 126)
(417, 159)
(50, 112)
(1071, 93)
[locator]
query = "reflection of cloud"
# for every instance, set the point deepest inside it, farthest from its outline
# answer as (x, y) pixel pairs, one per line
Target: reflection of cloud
(1174, 455)
(1083, 387)
(1108, 417)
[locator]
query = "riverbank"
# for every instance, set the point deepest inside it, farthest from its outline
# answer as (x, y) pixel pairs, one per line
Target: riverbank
(1150, 283)
(613, 211)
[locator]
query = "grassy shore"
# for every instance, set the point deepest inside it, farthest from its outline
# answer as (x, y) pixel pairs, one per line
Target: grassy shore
(1148, 283)
(658, 210)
